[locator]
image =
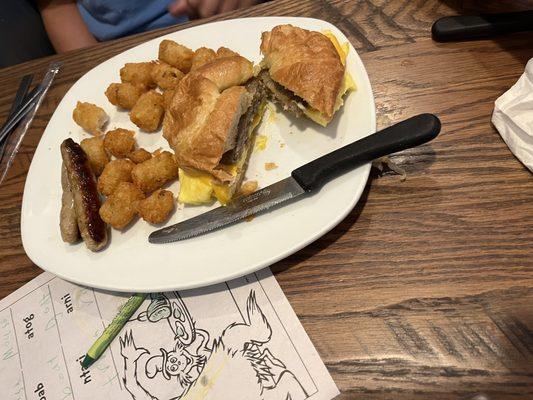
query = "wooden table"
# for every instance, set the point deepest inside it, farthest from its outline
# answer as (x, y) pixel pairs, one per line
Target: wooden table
(425, 289)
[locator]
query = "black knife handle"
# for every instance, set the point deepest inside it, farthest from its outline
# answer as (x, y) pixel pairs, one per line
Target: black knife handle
(403, 135)
(468, 27)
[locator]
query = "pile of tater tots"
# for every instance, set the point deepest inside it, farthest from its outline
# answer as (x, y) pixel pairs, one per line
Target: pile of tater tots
(132, 178)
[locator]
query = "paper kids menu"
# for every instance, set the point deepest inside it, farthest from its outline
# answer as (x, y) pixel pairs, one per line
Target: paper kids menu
(235, 340)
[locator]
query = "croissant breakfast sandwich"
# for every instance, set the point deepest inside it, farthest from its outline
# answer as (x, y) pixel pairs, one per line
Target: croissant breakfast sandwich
(305, 71)
(210, 125)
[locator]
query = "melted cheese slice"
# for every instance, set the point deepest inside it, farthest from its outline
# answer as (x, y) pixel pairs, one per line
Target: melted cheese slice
(198, 187)
(347, 85)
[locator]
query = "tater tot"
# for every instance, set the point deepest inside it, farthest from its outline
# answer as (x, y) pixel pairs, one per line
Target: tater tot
(166, 76)
(155, 172)
(168, 95)
(139, 74)
(121, 207)
(140, 155)
(157, 207)
(94, 148)
(176, 55)
(119, 142)
(123, 95)
(114, 173)
(90, 117)
(148, 112)
(201, 56)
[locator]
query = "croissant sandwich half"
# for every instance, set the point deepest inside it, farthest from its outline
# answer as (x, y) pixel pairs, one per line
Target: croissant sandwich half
(305, 71)
(210, 125)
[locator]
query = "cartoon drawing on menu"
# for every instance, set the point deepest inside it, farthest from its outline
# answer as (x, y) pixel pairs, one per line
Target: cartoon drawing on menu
(181, 364)
(238, 364)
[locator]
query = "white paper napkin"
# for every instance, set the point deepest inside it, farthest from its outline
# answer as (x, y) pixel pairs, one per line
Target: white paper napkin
(513, 117)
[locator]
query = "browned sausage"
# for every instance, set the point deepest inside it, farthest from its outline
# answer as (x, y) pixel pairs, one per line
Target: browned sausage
(86, 198)
(68, 221)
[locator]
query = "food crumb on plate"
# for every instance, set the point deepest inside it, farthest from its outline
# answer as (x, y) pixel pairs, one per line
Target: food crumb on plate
(270, 166)
(248, 188)
(249, 218)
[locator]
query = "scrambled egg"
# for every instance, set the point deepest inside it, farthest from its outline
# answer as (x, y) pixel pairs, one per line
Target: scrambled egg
(197, 187)
(348, 83)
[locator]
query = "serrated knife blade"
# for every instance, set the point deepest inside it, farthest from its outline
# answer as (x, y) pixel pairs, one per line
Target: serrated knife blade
(238, 209)
(308, 178)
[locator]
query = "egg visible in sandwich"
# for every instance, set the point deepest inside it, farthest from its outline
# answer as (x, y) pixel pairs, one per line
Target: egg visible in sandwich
(305, 71)
(210, 125)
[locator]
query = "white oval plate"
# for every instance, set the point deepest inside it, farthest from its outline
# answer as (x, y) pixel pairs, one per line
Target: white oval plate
(130, 263)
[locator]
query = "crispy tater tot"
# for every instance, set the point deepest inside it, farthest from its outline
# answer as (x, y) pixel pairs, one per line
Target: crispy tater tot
(201, 56)
(140, 155)
(155, 172)
(168, 95)
(90, 117)
(148, 112)
(166, 76)
(225, 52)
(94, 148)
(176, 55)
(123, 95)
(139, 74)
(157, 207)
(119, 142)
(121, 207)
(114, 173)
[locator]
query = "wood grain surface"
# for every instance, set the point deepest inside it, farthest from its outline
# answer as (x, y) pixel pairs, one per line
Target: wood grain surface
(425, 289)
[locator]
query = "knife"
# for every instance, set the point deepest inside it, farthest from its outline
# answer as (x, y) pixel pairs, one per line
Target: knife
(22, 92)
(308, 178)
(469, 27)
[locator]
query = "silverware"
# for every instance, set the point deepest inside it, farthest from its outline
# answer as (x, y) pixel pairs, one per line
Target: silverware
(473, 27)
(20, 112)
(308, 178)
(30, 106)
(22, 91)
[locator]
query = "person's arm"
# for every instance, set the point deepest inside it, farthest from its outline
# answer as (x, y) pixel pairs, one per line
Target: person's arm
(64, 25)
(207, 8)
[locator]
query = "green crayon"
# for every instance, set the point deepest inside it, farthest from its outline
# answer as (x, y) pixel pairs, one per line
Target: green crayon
(113, 329)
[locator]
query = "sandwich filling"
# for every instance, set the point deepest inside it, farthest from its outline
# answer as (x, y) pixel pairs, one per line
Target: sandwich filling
(197, 187)
(284, 97)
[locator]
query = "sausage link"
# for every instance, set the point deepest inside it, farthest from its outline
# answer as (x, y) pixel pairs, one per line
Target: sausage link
(86, 198)
(68, 221)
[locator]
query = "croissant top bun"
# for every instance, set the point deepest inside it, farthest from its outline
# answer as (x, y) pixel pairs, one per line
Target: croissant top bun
(201, 122)
(306, 63)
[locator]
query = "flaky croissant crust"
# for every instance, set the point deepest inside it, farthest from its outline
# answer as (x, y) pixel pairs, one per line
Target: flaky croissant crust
(306, 63)
(205, 110)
